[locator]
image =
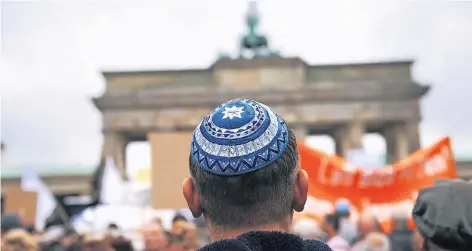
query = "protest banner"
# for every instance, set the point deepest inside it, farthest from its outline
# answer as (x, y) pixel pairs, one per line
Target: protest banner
(377, 190)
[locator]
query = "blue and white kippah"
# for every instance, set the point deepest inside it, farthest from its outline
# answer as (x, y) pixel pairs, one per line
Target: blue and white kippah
(238, 137)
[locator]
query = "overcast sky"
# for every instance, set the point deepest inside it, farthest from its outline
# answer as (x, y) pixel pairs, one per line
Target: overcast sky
(53, 53)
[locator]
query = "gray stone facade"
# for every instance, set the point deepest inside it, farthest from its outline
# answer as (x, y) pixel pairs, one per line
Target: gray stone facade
(344, 101)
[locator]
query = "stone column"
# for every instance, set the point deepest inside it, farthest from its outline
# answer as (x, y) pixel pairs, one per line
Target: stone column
(301, 132)
(413, 131)
(397, 141)
(114, 145)
(348, 136)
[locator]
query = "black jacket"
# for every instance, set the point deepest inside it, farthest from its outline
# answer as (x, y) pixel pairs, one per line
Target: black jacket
(266, 241)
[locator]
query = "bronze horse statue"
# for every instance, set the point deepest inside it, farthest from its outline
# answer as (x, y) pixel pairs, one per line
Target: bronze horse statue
(252, 40)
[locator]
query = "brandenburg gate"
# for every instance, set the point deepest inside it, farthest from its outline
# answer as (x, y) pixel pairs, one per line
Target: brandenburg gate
(344, 101)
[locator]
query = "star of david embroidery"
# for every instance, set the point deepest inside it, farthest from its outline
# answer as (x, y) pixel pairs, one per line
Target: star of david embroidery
(232, 112)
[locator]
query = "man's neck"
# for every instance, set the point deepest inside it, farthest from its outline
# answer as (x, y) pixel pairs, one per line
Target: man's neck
(233, 233)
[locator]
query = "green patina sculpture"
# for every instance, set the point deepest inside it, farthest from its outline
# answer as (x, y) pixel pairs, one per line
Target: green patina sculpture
(256, 44)
(253, 44)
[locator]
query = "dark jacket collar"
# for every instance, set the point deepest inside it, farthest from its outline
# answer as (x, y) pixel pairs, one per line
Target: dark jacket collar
(266, 241)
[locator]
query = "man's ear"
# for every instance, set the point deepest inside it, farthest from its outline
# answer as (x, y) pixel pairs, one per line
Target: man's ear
(301, 191)
(191, 196)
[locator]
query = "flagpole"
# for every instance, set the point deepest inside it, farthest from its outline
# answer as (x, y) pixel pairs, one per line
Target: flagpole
(31, 181)
(64, 216)
(61, 211)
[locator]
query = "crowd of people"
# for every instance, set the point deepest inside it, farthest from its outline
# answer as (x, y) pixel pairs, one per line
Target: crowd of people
(341, 233)
(246, 181)
(337, 230)
(183, 235)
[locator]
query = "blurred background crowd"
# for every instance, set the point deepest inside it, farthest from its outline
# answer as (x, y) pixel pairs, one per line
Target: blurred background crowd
(184, 234)
(337, 229)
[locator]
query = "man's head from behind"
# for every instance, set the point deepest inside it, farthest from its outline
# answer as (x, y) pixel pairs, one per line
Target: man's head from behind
(244, 168)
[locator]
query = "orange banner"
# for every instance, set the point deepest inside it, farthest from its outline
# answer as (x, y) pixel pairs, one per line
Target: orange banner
(332, 177)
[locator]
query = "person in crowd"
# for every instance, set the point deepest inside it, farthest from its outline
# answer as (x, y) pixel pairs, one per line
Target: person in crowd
(376, 241)
(30, 229)
(309, 229)
(117, 240)
(155, 238)
(178, 218)
(443, 216)
(203, 236)
(246, 179)
(184, 237)
(176, 233)
(67, 240)
(348, 229)
(158, 221)
(113, 230)
(121, 244)
(10, 221)
(71, 241)
(367, 224)
(190, 237)
(18, 240)
(96, 243)
(37, 235)
(401, 235)
(417, 241)
(51, 239)
(331, 225)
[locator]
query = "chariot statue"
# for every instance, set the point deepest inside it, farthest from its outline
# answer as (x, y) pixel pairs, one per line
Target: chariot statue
(253, 43)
